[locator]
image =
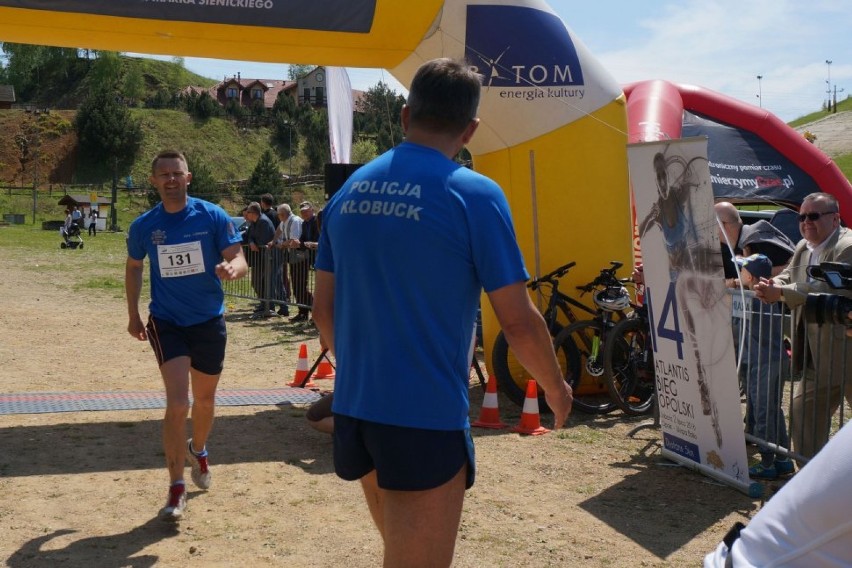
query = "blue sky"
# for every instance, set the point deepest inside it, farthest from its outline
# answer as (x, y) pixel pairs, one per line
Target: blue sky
(721, 45)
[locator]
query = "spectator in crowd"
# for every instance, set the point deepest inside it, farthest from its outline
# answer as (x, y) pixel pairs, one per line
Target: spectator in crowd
(267, 205)
(825, 361)
(65, 230)
(382, 304)
(283, 242)
(292, 243)
(301, 264)
(259, 234)
(807, 523)
(93, 223)
(761, 237)
(192, 245)
(277, 259)
(766, 360)
(77, 216)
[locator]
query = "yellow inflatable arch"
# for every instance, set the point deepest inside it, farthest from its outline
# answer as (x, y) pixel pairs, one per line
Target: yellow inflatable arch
(553, 130)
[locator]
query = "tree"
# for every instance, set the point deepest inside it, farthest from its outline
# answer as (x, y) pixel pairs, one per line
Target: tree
(315, 133)
(379, 116)
(236, 111)
(363, 151)
(108, 135)
(32, 69)
(266, 177)
(201, 105)
(106, 71)
(175, 75)
(133, 84)
(284, 133)
(295, 71)
(203, 184)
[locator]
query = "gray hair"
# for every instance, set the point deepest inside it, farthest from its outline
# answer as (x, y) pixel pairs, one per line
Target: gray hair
(826, 198)
(284, 208)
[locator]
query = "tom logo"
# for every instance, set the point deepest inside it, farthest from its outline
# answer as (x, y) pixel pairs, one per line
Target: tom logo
(541, 53)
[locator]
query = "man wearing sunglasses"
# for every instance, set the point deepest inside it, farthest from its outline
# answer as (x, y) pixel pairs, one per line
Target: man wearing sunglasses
(824, 385)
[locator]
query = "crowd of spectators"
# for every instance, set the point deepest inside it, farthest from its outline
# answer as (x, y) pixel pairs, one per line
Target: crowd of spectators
(281, 248)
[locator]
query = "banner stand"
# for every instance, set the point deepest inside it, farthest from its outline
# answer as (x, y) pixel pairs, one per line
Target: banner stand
(753, 489)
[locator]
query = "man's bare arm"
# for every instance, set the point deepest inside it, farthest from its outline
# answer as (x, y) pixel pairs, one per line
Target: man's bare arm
(526, 332)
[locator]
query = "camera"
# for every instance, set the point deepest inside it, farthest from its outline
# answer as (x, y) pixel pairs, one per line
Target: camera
(830, 308)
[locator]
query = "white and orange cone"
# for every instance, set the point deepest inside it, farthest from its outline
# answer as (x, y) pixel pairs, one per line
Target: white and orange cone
(324, 370)
(302, 369)
(489, 416)
(530, 422)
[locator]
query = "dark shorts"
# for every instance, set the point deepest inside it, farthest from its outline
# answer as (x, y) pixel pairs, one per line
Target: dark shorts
(203, 343)
(405, 459)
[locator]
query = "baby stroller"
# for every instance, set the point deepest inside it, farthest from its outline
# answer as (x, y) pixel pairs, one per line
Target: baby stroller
(71, 237)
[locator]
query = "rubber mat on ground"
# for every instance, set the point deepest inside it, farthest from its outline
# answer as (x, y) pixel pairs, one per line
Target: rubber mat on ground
(43, 402)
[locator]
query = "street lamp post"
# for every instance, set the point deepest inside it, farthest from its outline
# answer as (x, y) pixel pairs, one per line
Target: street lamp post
(759, 91)
(828, 85)
(290, 147)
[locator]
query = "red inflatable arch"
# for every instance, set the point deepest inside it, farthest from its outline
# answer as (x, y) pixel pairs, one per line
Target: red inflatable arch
(655, 111)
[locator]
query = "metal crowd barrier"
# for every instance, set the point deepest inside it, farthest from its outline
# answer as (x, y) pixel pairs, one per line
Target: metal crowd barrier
(777, 365)
(267, 283)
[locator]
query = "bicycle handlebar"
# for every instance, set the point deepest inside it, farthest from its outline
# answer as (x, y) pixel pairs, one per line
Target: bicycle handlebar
(551, 276)
(605, 278)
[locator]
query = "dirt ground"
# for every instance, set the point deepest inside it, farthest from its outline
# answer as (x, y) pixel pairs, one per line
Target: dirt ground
(83, 488)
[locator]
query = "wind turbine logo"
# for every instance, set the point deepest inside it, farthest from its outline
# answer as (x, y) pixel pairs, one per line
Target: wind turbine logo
(493, 66)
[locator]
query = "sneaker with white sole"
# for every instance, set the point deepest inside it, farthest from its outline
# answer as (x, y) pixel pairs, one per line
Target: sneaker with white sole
(176, 504)
(201, 475)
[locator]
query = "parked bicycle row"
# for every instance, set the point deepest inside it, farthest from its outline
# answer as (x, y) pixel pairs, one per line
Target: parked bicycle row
(604, 355)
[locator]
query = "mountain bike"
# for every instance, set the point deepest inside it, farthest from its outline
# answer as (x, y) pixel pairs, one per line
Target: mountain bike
(586, 373)
(629, 364)
(511, 376)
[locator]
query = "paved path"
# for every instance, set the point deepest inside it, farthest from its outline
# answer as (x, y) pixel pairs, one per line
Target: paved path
(833, 132)
(43, 402)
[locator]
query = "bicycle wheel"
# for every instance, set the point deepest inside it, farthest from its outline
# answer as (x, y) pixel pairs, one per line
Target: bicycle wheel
(512, 377)
(629, 365)
(586, 377)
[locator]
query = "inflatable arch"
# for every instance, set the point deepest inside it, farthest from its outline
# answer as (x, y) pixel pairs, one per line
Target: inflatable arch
(553, 130)
(754, 156)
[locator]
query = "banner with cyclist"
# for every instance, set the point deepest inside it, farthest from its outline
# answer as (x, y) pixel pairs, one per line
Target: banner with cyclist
(688, 309)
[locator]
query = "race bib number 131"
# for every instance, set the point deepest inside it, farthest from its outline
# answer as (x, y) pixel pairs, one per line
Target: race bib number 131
(180, 260)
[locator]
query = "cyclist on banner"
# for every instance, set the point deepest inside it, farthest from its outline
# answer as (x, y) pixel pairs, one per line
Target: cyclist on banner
(694, 261)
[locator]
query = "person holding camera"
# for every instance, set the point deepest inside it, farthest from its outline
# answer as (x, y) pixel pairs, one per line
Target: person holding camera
(818, 394)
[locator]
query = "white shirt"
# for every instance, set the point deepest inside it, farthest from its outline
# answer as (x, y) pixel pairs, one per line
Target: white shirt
(807, 523)
(293, 230)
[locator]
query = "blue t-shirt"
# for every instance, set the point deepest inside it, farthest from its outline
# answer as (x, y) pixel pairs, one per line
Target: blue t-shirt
(412, 239)
(183, 249)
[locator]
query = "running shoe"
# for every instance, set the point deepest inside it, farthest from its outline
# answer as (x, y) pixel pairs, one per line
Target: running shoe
(201, 475)
(774, 471)
(761, 471)
(784, 467)
(176, 504)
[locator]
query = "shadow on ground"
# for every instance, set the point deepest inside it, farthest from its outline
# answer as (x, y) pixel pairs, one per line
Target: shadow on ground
(105, 551)
(278, 434)
(663, 498)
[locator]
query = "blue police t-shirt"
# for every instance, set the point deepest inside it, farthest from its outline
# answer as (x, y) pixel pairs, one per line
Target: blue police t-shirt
(183, 249)
(412, 239)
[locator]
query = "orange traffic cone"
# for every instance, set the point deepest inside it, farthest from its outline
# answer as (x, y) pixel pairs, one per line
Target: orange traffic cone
(302, 369)
(324, 370)
(489, 416)
(530, 422)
